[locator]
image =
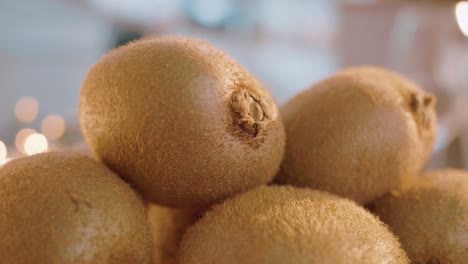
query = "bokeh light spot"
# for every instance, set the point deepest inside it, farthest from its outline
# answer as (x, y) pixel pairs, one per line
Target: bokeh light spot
(461, 11)
(26, 109)
(35, 143)
(3, 153)
(53, 126)
(21, 138)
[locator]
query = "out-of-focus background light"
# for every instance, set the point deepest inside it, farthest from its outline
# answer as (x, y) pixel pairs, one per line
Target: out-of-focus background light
(21, 137)
(47, 46)
(461, 11)
(53, 126)
(141, 12)
(35, 143)
(3, 153)
(26, 109)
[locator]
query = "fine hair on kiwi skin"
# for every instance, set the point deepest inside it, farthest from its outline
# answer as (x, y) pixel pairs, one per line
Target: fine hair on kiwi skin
(64, 207)
(181, 120)
(358, 134)
(167, 226)
(430, 216)
(284, 224)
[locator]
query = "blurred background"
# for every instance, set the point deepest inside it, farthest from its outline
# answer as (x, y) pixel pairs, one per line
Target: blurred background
(46, 47)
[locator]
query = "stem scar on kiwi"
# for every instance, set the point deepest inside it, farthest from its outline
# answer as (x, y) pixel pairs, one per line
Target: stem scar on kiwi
(358, 133)
(251, 114)
(181, 120)
(420, 106)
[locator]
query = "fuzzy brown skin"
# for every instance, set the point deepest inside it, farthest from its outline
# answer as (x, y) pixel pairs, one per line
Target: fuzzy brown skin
(430, 217)
(357, 134)
(167, 227)
(63, 208)
(283, 224)
(181, 120)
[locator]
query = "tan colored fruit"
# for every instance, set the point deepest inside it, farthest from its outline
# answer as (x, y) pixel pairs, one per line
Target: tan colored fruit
(181, 120)
(167, 227)
(67, 208)
(357, 134)
(430, 216)
(283, 224)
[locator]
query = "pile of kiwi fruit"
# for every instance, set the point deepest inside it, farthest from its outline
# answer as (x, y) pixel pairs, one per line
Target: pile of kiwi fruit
(193, 162)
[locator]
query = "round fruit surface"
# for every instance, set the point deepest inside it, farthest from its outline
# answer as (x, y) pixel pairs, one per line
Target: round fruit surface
(67, 208)
(430, 216)
(282, 224)
(181, 121)
(358, 134)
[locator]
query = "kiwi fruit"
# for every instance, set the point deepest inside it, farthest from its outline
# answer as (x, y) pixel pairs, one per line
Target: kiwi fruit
(430, 216)
(167, 226)
(357, 134)
(67, 208)
(181, 121)
(284, 224)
